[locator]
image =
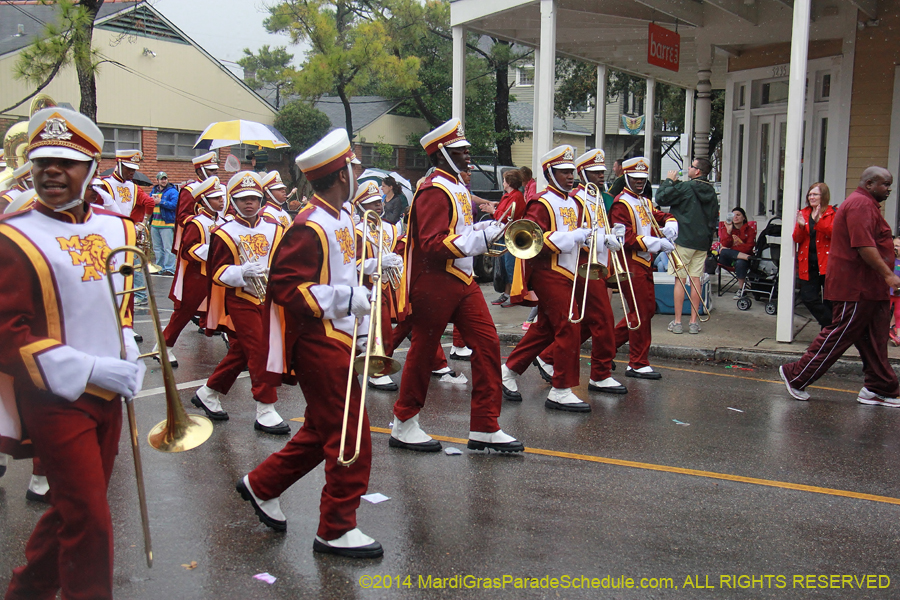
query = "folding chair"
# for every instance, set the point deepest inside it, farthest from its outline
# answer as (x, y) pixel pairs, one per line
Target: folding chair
(731, 279)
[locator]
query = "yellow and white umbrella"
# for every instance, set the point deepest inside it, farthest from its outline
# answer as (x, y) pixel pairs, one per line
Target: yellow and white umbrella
(232, 133)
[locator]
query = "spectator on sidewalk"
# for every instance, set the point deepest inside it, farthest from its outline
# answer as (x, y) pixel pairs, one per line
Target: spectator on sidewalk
(895, 295)
(617, 183)
(529, 185)
(737, 239)
(695, 206)
(812, 234)
(395, 203)
(860, 274)
(505, 265)
(162, 224)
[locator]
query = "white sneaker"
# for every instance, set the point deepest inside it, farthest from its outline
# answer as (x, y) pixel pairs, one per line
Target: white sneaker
(268, 511)
(800, 394)
(564, 399)
(353, 544)
(37, 488)
(508, 378)
(867, 397)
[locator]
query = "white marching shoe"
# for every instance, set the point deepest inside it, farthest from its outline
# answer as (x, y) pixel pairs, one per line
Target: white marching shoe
(498, 440)
(509, 384)
(269, 421)
(384, 383)
(4, 460)
(463, 353)
(545, 369)
(268, 511)
(353, 544)
(608, 385)
(37, 489)
(169, 354)
(409, 436)
(208, 400)
(564, 399)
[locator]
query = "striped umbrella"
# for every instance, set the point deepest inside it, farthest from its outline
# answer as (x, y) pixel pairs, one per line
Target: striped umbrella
(232, 133)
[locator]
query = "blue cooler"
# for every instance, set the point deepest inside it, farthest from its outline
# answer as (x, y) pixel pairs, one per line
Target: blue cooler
(664, 288)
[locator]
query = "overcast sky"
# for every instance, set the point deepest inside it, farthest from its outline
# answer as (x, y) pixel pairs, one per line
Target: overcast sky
(225, 27)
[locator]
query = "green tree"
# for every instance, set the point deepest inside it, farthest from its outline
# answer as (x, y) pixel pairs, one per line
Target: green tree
(349, 47)
(270, 70)
(67, 40)
(302, 125)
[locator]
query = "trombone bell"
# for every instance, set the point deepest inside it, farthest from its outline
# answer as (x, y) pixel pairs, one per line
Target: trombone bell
(179, 436)
(597, 271)
(524, 239)
(379, 364)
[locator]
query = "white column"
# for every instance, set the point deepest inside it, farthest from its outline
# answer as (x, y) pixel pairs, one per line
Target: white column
(458, 103)
(703, 109)
(649, 117)
(784, 329)
(545, 88)
(535, 119)
(600, 126)
(686, 140)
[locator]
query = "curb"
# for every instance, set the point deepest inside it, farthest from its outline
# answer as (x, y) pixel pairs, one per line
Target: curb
(757, 358)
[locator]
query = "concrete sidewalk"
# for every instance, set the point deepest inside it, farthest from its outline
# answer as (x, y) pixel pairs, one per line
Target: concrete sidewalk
(729, 335)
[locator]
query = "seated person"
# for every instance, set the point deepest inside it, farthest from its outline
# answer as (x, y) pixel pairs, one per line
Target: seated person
(737, 239)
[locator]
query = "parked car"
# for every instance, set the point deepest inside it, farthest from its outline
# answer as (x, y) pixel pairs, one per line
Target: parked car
(487, 180)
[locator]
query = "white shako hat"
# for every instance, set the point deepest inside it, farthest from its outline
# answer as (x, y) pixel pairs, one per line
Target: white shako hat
(592, 160)
(367, 192)
(332, 153)
(208, 188)
(205, 161)
(57, 132)
(245, 183)
(560, 157)
(448, 135)
(637, 167)
(272, 181)
(130, 158)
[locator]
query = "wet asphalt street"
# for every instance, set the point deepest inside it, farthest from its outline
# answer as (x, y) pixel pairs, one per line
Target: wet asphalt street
(711, 482)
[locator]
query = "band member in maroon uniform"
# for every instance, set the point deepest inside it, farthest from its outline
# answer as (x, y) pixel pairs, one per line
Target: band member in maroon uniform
(205, 166)
(60, 354)
(314, 301)
(630, 209)
(439, 287)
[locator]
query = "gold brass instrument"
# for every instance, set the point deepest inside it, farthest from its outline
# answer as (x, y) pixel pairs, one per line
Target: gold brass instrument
(591, 269)
(16, 140)
(677, 264)
(375, 362)
(260, 283)
(618, 275)
(393, 274)
(142, 236)
(524, 239)
(498, 248)
(180, 431)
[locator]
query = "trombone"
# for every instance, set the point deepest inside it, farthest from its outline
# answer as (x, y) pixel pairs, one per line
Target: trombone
(180, 431)
(375, 361)
(677, 265)
(591, 269)
(618, 273)
(498, 248)
(393, 274)
(259, 284)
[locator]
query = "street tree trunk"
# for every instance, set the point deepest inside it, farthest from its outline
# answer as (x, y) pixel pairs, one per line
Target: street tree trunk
(501, 114)
(83, 65)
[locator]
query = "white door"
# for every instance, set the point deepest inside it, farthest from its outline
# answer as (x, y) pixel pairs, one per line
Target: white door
(771, 132)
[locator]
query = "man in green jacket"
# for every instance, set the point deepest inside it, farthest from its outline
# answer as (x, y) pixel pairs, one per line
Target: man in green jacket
(696, 208)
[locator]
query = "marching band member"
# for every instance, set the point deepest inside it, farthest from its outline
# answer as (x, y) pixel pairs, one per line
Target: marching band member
(22, 177)
(314, 301)
(598, 320)
(237, 263)
(630, 210)
(121, 194)
(276, 195)
(439, 287)
(191, 284)
(60, 348)
(205, 166)
(552, 274)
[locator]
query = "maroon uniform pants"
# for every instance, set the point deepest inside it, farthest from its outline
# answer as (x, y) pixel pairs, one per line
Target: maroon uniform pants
(437, 299)
(71, 547)
(247, 350)
(402, 330)
(638, 339)
(192, 296)
(863, 324)
(322, 366)
(598, 326)
(554, 292)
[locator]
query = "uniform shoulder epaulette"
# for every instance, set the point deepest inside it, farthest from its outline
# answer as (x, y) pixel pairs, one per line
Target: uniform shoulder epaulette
(303, 214)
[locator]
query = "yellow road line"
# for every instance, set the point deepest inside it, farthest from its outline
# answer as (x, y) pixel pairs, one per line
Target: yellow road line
(681, 471)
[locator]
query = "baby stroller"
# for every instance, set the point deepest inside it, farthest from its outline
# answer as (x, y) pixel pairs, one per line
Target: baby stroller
(762, 279)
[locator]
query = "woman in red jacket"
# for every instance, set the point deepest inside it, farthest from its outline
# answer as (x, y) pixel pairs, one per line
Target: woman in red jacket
(737, 238)
(812, 234)
(512, 181)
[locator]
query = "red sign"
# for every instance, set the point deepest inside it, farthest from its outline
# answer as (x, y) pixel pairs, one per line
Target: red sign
(663, 48)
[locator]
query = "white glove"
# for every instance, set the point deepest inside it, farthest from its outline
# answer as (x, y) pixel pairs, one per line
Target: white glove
(252, 269)
(359, 301)
(619, 230)
(132, 355)
(492, 232)
(370, 266)
(612, 242)
(482, 225)
(391, 261)
(361, 342)
(670, 230)
(581, 235)
(115, 375)
(655, 244)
